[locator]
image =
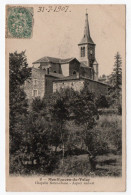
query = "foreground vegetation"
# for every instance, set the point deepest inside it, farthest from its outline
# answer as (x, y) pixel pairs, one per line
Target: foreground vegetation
(66, 133)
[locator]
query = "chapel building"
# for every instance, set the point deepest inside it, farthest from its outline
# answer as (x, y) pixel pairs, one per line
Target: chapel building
(52, 74)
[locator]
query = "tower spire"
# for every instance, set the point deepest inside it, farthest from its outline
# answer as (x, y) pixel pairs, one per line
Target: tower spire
(87, 29)
(86, 38)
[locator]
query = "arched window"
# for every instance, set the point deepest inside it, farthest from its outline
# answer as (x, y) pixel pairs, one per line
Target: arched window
(82, 51)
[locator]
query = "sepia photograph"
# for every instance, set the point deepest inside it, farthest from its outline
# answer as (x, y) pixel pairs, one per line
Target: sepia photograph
(65, 105)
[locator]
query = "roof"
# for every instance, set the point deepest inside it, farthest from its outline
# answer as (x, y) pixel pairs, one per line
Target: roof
(82, 64)
(86, 38)
(54, 60)
(52, 74)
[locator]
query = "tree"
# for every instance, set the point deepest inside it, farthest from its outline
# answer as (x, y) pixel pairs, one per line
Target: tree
(60, 114)
(116, 77)
(19, 72)
(85, 115)
(116, 82)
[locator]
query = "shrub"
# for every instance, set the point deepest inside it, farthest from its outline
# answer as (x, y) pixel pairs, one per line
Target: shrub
(101, 102)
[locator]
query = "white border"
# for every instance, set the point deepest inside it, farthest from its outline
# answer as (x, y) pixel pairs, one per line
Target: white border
(2, 82)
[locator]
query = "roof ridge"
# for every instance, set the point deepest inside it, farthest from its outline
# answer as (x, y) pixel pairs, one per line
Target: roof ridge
(54, 60)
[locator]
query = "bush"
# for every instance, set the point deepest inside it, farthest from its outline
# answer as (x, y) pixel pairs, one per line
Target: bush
(101, 102)
(27, 164)
(110, 130)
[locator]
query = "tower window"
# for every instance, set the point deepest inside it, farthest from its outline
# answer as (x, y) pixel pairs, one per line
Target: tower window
(74, 72)
(82, 51)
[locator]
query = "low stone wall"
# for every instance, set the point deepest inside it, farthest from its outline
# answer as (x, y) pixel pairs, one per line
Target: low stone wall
(77, 84)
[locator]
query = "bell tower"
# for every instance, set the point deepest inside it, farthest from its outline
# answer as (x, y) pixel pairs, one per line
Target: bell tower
(87, 50)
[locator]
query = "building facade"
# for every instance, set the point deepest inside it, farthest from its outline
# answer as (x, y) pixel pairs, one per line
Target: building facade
(52, 74)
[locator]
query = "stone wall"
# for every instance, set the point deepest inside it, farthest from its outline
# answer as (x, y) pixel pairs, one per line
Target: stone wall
(74, 66)
(36, 85)
(77, 84)
(97, 87)
(86, 72)
(56, 68)
(53, 67)
(49, 84)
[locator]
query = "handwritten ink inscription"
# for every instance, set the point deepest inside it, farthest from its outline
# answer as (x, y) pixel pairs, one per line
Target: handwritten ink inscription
(59, 8)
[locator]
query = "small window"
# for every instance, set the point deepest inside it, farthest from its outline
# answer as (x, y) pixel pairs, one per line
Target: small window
(55, 71)
(74, 72)
(35, 93)
(35, 81)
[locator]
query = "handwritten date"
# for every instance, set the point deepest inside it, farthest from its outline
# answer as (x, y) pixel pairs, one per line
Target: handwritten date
(54, 9)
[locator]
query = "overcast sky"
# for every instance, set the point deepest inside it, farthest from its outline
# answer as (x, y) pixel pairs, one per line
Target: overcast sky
(57, 34)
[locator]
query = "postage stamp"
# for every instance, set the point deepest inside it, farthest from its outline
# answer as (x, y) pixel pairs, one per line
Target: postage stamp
(19, 22)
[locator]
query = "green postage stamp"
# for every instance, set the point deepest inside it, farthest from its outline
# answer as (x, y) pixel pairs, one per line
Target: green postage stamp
(19, 22)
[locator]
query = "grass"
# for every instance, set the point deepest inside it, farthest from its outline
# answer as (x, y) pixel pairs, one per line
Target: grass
(107, 165)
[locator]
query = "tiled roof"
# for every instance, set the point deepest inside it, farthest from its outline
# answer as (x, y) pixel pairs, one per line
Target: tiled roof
(54, 60)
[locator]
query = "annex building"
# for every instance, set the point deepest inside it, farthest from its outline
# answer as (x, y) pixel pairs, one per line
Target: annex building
(52, 74)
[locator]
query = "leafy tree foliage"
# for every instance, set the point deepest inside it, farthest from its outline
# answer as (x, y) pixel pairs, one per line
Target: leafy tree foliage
(18, 105)
(85, 115)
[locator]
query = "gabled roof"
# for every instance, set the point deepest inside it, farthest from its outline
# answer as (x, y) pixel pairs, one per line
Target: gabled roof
(86, 38)
(54, 60)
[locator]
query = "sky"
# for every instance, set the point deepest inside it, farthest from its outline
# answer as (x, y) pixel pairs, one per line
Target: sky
(57, 34)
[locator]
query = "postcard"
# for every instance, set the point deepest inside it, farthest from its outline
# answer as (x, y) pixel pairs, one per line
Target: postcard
(65, 98)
